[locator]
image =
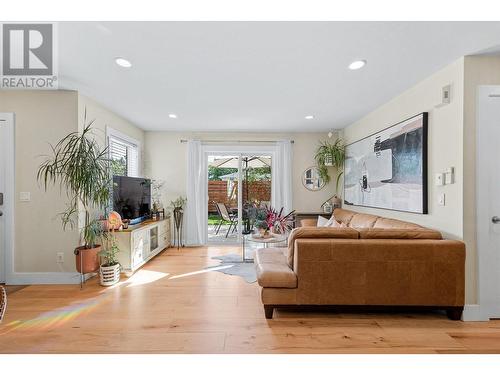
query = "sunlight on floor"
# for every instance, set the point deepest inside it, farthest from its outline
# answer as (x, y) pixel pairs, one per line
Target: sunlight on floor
(201, 271)
(143, 277)
(53, 319)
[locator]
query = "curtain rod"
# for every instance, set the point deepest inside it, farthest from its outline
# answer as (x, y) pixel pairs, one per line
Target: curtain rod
(228, 141)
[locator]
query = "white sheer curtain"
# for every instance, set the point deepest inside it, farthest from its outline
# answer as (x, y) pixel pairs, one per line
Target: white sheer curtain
(196, 194)
(282, 177)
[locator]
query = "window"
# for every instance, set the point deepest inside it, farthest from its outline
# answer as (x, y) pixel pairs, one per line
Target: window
(124, 154)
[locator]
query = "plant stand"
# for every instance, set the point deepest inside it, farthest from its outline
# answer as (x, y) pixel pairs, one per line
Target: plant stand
(178, 219)
(81, 253)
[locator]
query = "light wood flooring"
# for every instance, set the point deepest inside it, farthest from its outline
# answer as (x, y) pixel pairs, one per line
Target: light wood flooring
(172, 305)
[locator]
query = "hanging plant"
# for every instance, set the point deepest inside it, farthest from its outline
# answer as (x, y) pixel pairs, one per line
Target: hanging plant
(330, 155)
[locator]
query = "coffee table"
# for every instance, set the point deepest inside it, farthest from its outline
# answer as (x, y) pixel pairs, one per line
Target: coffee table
(252, 237)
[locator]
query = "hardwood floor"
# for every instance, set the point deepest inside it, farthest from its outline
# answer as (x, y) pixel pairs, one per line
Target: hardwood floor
(173, 305)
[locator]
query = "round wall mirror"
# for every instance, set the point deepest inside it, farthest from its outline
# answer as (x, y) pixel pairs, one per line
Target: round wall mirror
(312, 180)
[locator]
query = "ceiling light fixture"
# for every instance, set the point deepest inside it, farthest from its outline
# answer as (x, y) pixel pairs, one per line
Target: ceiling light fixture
(124, 63)
(172, 115)
(358, 64)
(309, 117)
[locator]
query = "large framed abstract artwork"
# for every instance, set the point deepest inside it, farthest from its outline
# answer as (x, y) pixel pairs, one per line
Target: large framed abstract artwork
(389, 169)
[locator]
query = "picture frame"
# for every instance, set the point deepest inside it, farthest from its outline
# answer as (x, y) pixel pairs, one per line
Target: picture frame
(388, 169)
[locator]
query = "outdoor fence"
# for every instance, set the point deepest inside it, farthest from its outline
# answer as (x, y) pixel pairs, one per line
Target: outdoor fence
(218, 191)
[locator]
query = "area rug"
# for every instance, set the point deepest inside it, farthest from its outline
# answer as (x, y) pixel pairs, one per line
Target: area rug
(236, 266)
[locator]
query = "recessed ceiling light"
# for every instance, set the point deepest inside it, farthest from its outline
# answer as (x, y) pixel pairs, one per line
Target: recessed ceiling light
(124, 63)
(309, 117)
(358, 64)
(172, 115)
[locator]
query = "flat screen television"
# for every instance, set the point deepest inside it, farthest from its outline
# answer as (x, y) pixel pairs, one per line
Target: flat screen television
(132, 198)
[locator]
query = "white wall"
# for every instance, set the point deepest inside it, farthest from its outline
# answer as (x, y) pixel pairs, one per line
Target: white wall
(446, 149)
(445, 143)
(165, 159)
(41, 118)
(105, 118)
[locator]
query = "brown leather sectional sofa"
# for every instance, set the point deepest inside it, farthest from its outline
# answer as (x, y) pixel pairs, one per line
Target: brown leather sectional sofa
(374, 262)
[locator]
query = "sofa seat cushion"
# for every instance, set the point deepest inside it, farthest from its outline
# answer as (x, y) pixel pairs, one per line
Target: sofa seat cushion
(273, 270)
(400, 234)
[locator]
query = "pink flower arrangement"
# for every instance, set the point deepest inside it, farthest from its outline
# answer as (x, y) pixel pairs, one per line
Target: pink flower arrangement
(281, 223)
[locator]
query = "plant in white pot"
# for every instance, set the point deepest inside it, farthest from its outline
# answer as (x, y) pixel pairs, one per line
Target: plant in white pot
(81, 168)
(331, 155)
(110, 268)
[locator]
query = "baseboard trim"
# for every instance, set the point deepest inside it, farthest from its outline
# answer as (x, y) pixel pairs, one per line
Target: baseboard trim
(33, 278)
(472, 313)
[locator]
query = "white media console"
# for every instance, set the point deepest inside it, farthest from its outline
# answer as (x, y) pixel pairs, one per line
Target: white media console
(140, 243)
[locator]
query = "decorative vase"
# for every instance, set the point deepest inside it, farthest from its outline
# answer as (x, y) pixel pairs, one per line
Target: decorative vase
(178, 216)
(337, 202)
(110, 275)
(87, 260)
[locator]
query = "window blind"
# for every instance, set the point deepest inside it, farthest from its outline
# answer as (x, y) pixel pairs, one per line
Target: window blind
(124, 157)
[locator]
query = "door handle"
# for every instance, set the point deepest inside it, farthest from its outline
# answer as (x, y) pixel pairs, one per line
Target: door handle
(1, 213)
(495, 219)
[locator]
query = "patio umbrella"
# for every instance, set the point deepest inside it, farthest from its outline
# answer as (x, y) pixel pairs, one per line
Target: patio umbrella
(248, 161)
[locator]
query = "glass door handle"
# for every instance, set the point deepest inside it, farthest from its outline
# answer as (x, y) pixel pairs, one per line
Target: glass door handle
(495, 219)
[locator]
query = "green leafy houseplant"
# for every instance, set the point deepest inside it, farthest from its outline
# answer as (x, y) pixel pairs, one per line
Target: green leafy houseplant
(81, 168)
(110, 251)
(330, 155)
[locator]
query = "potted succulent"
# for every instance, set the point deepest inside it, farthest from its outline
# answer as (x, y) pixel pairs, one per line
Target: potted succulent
(81, 167)
(331, 155)
(110, 268)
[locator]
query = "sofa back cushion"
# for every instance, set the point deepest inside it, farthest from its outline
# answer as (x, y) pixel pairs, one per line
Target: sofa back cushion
(343, 216)
(363, 221)
(385, 223)
(400, 234)
(316, 232)
(360, 220)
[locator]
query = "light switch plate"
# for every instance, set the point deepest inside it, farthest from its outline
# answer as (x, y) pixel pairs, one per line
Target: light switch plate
(439, 179)
(25, 196)
(442, 199)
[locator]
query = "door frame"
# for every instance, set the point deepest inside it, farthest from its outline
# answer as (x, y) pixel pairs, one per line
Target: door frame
(239, 150)
(8, 153)
(488, 261)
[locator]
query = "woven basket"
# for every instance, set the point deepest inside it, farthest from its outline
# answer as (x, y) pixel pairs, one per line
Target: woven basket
(110, 275)
(3, 302)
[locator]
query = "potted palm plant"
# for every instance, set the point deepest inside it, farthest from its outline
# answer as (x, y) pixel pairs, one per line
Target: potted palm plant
(331, 155)
(81, 167)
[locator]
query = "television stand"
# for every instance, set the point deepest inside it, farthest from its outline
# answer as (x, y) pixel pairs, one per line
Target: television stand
(141, 242)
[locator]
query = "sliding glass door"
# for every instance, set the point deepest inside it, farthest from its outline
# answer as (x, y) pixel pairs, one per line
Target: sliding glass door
(238, 182)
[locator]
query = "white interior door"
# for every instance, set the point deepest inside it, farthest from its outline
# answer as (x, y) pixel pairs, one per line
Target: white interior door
(4, 119)
(488, 199)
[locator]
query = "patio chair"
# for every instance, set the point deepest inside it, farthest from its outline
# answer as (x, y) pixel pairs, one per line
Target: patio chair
(226, 217)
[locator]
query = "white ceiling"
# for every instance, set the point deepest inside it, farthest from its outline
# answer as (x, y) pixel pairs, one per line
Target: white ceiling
(257, 76)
